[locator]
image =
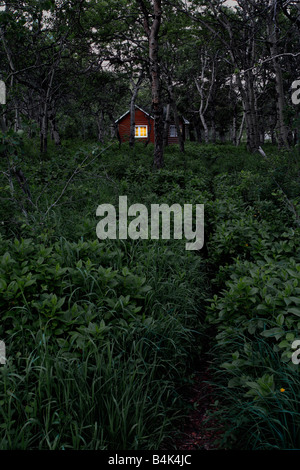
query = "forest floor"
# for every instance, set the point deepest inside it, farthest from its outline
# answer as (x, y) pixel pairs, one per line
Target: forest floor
(198, 433)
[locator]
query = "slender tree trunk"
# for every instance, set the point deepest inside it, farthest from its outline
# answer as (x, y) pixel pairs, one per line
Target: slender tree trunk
(252, 115)
(176, 118)
(149, 133)
(135, 89)
(3, 124)
(167, 126)
(54, 130)
(239, 137)
(152, 34)
(202, 107)
(55, 134)
(156, 87)
(12, 80)
(132, 121)
(233, 130)
(282, 130)
(295, 139)
(233, 100)
(17, 122)
(45, 114)
(205, 127)
(100, 127)
(44, 128)
(273, 137)
(198, 133)
(116, 128)
(213, 125)
(247, 95)
(204, 102)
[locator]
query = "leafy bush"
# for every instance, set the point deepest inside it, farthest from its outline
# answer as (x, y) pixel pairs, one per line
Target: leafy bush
(254, 242)
(94, 357)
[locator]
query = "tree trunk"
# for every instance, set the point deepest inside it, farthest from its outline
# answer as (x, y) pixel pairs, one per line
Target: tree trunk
(17, 123)
(132, 121)
(167, 126)
(205, 127)
(273, 41)
(273, 137)
(116, 128)
(3, 123)
(44, 128)
(247, 95)
(176, 118)
(202, 107)
(54, 131)
(149, 133)
(213, 126)
(233, 130)
(198, 134)
(100, 127)
(12, 69)
(239, 137)
(44, 115)
(254, 141)
(204, 101)
(152, 34)
(156, 87)
(135, 89)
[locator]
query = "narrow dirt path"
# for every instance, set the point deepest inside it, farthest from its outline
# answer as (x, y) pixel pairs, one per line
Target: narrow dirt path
(196, 433)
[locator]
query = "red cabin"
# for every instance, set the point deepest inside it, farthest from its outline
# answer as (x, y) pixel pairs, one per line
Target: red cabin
(144, 127)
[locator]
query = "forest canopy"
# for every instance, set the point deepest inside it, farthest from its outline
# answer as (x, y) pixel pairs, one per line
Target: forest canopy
(72, 68)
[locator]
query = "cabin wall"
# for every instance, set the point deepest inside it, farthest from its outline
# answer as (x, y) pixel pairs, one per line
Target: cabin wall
(141, 119)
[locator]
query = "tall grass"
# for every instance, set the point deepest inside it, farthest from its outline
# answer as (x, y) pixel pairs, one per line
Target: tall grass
(105, 399)
(252, 417)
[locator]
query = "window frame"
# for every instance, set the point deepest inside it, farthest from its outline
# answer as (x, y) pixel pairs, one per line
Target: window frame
(139, 126)
(173, 131)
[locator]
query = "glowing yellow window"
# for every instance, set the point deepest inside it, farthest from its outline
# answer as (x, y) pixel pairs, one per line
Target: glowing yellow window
(141, 131)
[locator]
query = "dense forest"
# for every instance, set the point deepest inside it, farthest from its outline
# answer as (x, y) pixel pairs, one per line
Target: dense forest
(137, 343)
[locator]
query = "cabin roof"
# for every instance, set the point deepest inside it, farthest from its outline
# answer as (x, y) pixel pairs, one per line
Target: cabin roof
(147, 114)
(127, 112)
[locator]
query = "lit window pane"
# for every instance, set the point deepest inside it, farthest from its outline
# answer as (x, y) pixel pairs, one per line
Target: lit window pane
(141, 131)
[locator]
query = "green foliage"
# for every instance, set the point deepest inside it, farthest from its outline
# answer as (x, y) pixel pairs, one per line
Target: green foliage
(256, 396)
(76, 308)
(100, 400)
(100, 335)
(254, 242)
